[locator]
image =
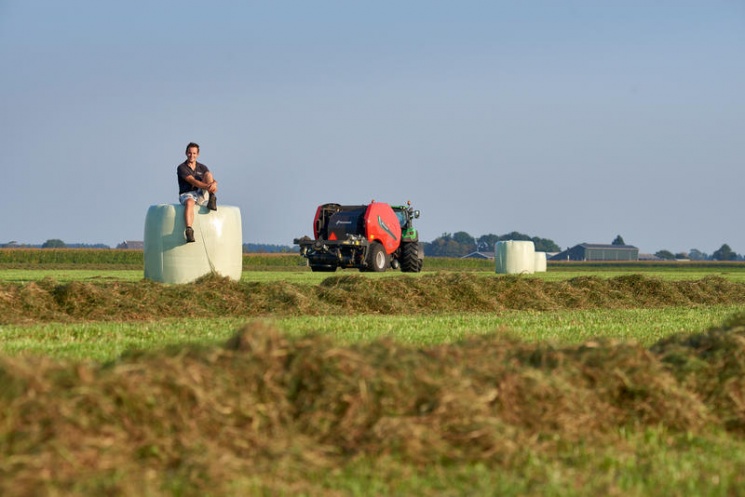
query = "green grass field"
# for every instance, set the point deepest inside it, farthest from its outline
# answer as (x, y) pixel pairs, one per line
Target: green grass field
(585, 380)
(105, 341)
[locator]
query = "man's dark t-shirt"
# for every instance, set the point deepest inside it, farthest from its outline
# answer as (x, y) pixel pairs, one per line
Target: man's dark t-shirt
(183, 170)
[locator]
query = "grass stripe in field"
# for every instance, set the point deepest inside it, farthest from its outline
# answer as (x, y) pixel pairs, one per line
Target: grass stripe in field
(106, 341)
(68, 275)
(645, 326)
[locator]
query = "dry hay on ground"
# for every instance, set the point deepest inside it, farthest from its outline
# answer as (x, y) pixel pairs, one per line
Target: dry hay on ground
(47, 300)
(269, 410)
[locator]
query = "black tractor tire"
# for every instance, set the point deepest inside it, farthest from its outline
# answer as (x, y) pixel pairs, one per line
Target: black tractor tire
(377, 260)
(322, 268)
(410, 261)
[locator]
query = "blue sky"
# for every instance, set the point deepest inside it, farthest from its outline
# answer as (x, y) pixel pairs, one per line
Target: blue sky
(570, 120)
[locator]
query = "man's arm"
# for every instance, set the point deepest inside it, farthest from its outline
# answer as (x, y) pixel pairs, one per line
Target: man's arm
(201, 184)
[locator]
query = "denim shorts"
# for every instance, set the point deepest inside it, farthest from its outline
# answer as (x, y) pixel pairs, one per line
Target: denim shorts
(199, 196)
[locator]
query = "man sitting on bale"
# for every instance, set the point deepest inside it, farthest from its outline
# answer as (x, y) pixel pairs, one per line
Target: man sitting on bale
(195, 186)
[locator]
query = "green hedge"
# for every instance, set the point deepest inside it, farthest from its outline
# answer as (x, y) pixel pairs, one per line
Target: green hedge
(71, 256)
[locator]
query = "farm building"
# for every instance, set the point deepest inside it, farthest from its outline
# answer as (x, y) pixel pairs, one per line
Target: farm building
(598, 252)
(130, 244)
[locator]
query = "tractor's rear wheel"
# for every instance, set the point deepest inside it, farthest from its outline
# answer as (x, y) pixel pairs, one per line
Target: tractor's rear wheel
(410, 261)
(377, 259)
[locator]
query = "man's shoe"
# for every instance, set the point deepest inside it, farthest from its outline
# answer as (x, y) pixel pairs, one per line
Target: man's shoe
(189, 232)
(212, 202)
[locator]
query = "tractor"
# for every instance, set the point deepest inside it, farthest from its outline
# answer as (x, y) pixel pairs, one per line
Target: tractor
(372, 237)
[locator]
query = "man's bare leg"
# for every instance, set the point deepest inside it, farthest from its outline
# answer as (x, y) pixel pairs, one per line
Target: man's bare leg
(189, 219)
(189, 212)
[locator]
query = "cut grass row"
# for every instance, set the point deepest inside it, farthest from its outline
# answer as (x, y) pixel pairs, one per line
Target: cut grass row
(491, 416)
(50, 301)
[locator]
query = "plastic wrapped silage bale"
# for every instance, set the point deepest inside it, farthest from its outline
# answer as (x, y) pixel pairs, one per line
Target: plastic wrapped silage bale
(218, 247)
(540, 262)
(515, 257)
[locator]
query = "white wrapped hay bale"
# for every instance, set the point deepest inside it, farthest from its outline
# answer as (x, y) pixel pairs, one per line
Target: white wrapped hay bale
(218, 247)
(540, 262)
(515, 257)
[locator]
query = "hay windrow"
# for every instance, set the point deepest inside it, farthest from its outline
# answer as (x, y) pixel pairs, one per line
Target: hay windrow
(48, 301)
(712, 365)
(266, 403)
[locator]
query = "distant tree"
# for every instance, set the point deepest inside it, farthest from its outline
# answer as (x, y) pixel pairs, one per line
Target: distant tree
(514, 235)
(54, 243)
(486, 243)
(450, 245)
(725, 253)
(665, 254)
(682, 255)
(87, 245)
(437, 246)
(618, 241)
(697, 255)
(541, 244)
(461, 243)
(442, 246)
(466, 240)
(545, 245)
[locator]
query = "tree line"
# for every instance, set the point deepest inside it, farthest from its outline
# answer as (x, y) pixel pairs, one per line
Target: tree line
(456, 244)
(723, 253)
(461, 243)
